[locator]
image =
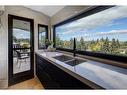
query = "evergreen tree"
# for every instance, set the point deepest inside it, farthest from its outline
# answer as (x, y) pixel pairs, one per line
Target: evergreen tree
(118, 43)
(106, 47)
(114, 46)
(101, 43)
(83, 46)
(14, 39)
(125, 43)
(102, 39)
(97, 41)
(92, 42)
(43, 39)
(58, 42)
(71, 43)
(78, 45)
(61, 44)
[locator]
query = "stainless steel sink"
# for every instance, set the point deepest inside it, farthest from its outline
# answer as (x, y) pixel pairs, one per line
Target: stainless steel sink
(75, 62)
(70, 60)
(63, 58)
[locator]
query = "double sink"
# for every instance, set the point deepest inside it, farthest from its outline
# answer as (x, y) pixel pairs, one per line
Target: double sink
(72, 61)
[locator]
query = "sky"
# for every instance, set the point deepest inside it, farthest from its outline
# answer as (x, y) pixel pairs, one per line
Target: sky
(41, 34)
(111, 23)
(19, 33)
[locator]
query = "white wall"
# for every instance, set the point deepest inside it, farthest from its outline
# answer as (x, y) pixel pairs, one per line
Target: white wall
(23, 12)
(3, 54)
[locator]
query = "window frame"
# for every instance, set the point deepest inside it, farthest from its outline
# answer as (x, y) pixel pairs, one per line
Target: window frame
(46, 27)
(89, 12)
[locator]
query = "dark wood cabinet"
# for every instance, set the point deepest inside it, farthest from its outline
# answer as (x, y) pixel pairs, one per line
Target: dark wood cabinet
(53, 77)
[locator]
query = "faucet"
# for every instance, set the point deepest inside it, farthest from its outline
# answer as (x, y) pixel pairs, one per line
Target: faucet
(74, 47)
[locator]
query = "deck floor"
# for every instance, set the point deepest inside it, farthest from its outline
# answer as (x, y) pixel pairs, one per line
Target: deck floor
(21, 65)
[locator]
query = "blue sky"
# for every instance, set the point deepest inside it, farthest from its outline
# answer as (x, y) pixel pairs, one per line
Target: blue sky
(110, 23)
(18, 33)
(41, 34)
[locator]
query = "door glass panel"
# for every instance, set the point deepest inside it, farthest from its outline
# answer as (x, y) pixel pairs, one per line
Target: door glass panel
(42, 37)
(21, 46)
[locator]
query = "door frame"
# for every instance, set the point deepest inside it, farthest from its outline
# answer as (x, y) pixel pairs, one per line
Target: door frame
(46, 27)
(19, 77)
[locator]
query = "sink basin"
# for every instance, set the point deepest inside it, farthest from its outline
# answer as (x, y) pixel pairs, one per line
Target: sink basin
(69, 60)
(63, 58)
(75, 62)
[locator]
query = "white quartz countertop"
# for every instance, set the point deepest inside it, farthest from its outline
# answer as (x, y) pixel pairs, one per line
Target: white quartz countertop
(104, 75)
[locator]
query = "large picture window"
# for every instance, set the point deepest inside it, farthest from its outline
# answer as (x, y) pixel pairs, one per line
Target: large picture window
(103, 32)
(42, 35)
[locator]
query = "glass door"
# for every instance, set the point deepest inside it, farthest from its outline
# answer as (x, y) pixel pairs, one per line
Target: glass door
(21, 49)
(42, 36)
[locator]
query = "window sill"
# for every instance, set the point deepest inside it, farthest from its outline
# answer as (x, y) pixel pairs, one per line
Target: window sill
(105, 61)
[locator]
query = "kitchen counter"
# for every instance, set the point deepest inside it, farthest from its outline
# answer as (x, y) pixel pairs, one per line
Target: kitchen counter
(92, 73)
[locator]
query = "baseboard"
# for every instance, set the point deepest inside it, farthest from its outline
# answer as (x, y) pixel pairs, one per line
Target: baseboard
(3, 84)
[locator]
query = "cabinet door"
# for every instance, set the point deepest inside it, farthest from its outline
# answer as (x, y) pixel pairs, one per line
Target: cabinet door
(43, 76)
(41, 62)
(53, 77)
(59, 76)
(65, 80)
(47, 81)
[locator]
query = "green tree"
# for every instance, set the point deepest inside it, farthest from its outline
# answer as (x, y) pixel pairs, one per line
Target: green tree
(82, 43)
(91, 45)
(117, 44)
(126, 51)
(71, 43)
(92, 42)
(14, 39)
(97, 41)
(106, 47)
(61, 43)
(102, 39)
(78, 45)
(114, 46)
(43, 39)
(125, 43)
(96, 45)
(58, 41)
(66, 44)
